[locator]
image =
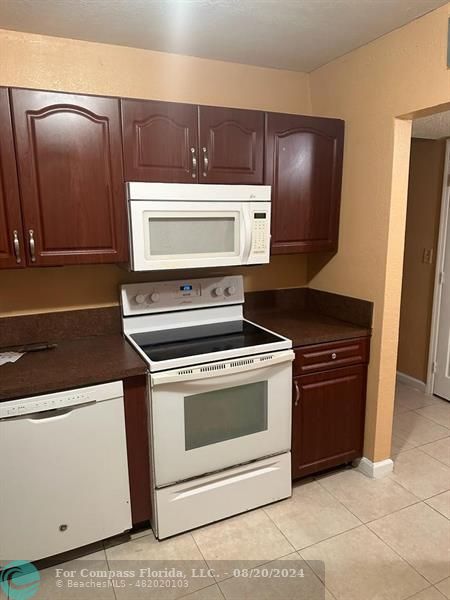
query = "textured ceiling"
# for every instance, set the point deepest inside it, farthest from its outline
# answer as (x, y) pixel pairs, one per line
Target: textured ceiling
(433, 127)
(299, 35)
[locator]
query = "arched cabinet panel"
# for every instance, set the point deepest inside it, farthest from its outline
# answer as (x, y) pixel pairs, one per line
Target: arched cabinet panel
(231, 145)
(71, 177)
(160, 141)
(304, 167)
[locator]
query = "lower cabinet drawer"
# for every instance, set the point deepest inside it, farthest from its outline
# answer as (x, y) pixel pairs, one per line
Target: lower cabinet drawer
(319, 357)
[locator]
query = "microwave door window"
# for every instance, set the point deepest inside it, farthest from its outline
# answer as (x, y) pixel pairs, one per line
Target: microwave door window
(219, 415)
(170, 236)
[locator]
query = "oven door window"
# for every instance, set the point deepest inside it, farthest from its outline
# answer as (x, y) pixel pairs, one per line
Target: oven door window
(225, 414)
(192, 234)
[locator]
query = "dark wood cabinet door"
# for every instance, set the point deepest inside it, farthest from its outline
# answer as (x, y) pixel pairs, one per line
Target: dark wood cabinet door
(11, 239)
(231, 145)
(160, 141)
(327, 419)
(71, 177)
(303, 164)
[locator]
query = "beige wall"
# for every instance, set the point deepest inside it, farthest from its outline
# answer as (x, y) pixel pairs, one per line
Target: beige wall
(28, 60)
(422, 231)
(67, 288)
(398, 74)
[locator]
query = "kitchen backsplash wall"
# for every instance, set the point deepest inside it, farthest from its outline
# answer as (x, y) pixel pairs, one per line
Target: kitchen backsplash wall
(45, 62)
(65, 288)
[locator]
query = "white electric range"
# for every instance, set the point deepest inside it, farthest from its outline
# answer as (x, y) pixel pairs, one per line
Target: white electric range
(219, 400)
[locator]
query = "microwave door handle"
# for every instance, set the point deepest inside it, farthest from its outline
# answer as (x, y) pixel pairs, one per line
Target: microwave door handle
(248, 233)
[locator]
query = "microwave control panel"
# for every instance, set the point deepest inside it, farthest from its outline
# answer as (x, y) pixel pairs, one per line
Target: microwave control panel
(260, 246)
(260, 233)
(161, 296)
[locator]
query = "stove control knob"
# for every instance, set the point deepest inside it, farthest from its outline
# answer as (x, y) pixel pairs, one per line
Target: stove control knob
(154, 297)
(140, 299)
(218, 291)
(230, 291)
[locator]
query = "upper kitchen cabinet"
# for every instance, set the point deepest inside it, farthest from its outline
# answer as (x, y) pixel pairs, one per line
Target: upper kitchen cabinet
(185, 143)
(231, 145)
(160, 141)
(303, 164)
(69, 158)
(11, 241)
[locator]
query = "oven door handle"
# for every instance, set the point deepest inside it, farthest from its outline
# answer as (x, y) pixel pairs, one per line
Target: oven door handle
(225, 368)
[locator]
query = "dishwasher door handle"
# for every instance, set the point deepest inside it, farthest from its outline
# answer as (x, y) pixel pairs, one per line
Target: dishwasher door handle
(51, 413)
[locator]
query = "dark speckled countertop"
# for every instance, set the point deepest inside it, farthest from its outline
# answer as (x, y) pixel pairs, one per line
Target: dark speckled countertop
(72, 364)
(78, 359)
(308, 316)
(305, 327)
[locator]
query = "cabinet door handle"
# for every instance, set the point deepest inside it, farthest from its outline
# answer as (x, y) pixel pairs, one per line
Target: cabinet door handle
(17, 246)
(32, 245)
(333, 356)
(205, 161)
(194, 163)
(297, 393)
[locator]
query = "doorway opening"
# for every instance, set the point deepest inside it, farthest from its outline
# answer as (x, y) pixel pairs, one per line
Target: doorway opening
(424, 335)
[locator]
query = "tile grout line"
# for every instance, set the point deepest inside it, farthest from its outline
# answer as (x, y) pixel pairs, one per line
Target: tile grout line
(258, 565)
(435, 509)
(315, 574)
(419, 444)
(408, 490)
(327, 538)
(351, 512)
(186, 596)
(428, 418)
(324, 539)
(397, 510)
(419, 501)
(430, 455)
(206, 563)
(276, 526)
(402, 558)
(109, 566)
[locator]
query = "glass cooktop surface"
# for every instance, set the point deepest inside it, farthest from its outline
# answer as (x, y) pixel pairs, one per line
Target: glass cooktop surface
(184, 342)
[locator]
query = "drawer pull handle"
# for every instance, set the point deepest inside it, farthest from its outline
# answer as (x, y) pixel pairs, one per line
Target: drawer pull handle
(334, 356)
(297, 393)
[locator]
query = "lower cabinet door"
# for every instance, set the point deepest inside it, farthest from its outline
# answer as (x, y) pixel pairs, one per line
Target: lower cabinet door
(328, 419)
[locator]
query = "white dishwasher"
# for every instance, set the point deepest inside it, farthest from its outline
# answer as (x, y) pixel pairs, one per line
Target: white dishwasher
(64, 471)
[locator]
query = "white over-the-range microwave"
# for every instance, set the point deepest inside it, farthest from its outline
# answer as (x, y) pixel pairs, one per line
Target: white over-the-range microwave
(178, 226)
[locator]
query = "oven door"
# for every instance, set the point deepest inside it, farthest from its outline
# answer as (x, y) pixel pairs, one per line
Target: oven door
(219, 415)
(176, 235)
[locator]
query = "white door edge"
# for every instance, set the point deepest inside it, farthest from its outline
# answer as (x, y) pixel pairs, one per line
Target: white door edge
(440, 256)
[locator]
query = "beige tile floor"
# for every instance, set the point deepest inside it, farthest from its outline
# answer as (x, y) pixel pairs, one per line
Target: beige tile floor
(385, 539)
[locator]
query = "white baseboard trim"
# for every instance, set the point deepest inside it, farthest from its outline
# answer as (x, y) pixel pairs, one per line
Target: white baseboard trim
(412, 381)
(375, 470)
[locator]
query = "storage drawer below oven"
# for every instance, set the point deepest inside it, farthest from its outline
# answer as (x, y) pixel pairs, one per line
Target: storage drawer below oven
(193, 503)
